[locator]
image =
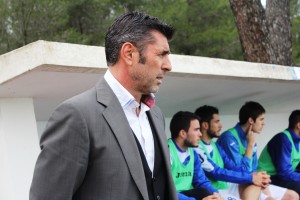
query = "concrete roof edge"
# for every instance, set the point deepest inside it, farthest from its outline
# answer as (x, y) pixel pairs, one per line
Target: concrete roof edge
(33, 55)
(19, 61)
(231, 68)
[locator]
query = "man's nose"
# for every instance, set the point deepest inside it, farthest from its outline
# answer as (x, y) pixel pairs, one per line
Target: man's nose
(167, 66)
(200, 134)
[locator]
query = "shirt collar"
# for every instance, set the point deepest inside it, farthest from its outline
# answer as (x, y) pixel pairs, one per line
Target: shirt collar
(178, 148)
(149, 100)
(205, 143)
(124, 97)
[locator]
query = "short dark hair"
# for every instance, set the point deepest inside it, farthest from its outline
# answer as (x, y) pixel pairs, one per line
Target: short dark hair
(134, 27)
(250, 109)
(206, 113)
(181, 121)
(294, 118)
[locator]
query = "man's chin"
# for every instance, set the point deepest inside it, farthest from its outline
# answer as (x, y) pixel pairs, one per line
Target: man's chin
(154, 89)
(194, 146)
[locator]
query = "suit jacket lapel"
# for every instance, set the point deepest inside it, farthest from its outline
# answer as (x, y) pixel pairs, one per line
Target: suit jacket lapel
(160, 131)
(117, 120)
(158, 124)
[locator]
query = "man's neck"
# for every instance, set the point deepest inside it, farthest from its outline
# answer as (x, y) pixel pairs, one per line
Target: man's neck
(123, 78)
(245, 127)
(181, 144)
(297, 131)
(206, 138)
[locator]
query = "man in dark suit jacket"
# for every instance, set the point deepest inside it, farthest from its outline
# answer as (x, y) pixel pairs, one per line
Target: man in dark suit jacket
(108, 143)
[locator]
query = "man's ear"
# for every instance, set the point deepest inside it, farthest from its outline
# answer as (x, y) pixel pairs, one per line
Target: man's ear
(204, 125)
(251, 121)
(298, 125)
(127, 53)
(182, 133)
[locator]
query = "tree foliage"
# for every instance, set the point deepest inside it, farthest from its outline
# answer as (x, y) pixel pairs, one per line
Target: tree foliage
(204, 28)
(24, 21)
(295, 10)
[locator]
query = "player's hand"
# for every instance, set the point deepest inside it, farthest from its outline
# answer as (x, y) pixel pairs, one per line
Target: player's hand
(214, 196)
(250, 136)
(261, 179)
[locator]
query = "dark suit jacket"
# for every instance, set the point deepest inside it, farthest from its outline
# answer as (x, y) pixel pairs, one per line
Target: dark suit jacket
(88, 152)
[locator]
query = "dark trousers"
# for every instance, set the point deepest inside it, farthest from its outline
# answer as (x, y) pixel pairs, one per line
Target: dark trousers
(198, 193)
(286, 184)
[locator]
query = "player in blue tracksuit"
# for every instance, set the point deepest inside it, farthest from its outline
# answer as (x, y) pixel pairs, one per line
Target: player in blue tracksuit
(230, 172)
(281, 156)
(189, 178)
(230, 144)
(239, 144)
(218, 166)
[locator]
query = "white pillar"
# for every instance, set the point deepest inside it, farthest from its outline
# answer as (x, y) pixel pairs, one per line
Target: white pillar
(19, 147)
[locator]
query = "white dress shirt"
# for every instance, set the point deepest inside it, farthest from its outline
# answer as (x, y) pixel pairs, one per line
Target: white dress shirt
(139, 124)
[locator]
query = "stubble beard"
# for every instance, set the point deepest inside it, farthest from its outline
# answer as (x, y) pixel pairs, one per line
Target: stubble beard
(189, 144)
(144, 84)
(212, 134)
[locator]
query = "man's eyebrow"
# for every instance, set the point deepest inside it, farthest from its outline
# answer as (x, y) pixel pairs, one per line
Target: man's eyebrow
(166, 52)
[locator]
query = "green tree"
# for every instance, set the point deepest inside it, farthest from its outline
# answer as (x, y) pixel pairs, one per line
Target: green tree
(25, 21)
(295, 10)
(204, 28)
(87, 21)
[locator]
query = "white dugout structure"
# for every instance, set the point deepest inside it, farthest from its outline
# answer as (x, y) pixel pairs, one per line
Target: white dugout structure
(34, 79)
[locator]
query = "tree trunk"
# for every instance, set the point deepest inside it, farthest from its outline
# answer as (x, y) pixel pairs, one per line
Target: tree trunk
(279, 23)
(265, 37)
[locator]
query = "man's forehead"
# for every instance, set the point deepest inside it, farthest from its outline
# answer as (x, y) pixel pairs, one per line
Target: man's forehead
(194, 121)
(216, 116)
(261, 115)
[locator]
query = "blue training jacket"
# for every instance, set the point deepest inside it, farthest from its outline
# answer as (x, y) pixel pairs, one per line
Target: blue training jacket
(279, 148)
(230, 173)
(231, 147)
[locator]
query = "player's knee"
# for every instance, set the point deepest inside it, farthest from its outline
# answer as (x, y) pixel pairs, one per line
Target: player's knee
(291, 195)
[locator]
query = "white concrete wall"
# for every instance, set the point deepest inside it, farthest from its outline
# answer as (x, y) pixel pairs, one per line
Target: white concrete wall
(41, 127)
(18, 147)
